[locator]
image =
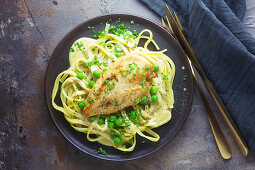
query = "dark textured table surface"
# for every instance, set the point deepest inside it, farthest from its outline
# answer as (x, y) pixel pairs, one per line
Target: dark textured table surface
(29, 32)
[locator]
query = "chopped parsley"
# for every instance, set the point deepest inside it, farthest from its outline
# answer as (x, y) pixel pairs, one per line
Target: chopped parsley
(116, 104)
(127, 124)
(130, 80)
(137, 69)
(136, 101)
(111, 28)
(110, 86)
(184, 77)
(143, 75)
(71, 50)
(106, 90)
(78, 45)
(164, 76)
(118, 21)
(91, 101)
(95, 93)
(103, 33)
(101, 151)
(134, 76)
(135, 33)
(95, 61)
(103, 44)
(146, 68)
(78, 86)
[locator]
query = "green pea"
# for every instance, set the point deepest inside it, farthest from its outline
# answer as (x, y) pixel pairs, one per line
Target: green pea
(156, 68)
(119, 121)
(79, 76)
(96, 74)
(81, 105)
(100, 121)
(92, 118)
(144, 100)
(111, 125)
(91, 83)
(117, 140)
(154, 90)
(118, 54)
(132, 114)
(118, 48)
(112, 118)
(154, 98)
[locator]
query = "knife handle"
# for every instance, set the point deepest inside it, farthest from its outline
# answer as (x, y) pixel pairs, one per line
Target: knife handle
(229, 121)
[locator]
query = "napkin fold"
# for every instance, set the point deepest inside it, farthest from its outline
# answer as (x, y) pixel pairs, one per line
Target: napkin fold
(225, 51)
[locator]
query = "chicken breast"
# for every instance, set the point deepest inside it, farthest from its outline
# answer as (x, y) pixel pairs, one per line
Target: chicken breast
(122, 85)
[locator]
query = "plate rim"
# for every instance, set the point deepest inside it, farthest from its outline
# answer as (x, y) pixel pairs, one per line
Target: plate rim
(47, 94)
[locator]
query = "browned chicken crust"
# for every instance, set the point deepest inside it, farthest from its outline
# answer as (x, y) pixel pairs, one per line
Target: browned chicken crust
(120, 86)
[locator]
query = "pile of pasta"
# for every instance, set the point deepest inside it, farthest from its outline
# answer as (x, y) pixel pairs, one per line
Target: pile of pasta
(87, 55)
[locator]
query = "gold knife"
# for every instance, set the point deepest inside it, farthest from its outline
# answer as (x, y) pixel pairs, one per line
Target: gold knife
(210, 88)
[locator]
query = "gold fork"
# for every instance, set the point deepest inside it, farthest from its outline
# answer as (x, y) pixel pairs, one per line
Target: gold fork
(217, 132)
(179, 33)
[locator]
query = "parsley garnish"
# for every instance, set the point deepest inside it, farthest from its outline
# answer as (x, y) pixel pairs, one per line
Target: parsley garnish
(134, 76)
(184, 77)
(118, 21)
(165, 77)
(78, 86)
(91, 101)
(116, 104)
(101, 151)
(71, 50)
(142, 83)
(95, 61)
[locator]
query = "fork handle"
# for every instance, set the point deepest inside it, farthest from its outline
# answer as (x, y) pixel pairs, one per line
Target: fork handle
(219, 136)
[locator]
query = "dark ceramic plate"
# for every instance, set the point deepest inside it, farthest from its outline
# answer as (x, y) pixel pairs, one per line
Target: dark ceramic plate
(183, 98)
